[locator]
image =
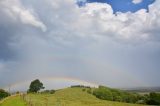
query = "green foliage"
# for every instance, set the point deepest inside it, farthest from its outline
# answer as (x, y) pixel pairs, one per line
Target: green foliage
(83, 89)
(106, 93)
(103, 93)
(3, 94)
(48, 92)
(122, 96)
(80, 86)
(35, 86)
(89, 91)
(154, 99)
(17, 92)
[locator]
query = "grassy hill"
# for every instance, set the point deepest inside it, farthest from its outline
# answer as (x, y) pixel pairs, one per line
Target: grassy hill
(13, 101)
(63, 97)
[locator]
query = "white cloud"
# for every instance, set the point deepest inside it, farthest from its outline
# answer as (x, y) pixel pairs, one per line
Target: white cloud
(137, 1)
(70, 46)
(138, 26)
(97, 20)
(17, 12)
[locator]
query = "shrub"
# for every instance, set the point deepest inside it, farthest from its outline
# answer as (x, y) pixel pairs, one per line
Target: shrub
(89, 91)
(103, 93)
(3, 94)
(48, 92)
(154, 99)
(80, 86)
(83, 90)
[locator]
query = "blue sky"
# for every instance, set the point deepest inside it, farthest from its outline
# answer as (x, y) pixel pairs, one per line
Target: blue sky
(125, 5)
(89, 43)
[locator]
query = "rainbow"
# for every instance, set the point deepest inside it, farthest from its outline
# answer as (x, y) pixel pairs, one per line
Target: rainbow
(68, 79)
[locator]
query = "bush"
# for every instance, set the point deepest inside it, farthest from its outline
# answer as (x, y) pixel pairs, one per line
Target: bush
(83, 90)
(48, 92)
(52, 91)
(3, 94)
(17, 92)
(89, 91)
(154, 99)
(80, 86)
(103, 93)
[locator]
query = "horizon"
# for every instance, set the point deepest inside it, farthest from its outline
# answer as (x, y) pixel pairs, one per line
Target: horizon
(64, 82)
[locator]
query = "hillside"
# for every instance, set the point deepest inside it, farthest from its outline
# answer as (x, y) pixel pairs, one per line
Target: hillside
(63, 97)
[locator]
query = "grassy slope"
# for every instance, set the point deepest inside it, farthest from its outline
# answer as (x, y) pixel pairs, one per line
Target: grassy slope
(64, 97)
(13, 101)
(72, 97)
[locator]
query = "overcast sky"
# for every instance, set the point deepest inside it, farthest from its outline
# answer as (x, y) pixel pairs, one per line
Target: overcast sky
(97, 42)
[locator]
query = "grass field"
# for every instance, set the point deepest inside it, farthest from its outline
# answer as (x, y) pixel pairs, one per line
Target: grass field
(14, 101)
(64, 97)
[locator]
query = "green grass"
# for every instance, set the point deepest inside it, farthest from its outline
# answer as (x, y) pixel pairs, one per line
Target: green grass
(64, 97)
(13, 101)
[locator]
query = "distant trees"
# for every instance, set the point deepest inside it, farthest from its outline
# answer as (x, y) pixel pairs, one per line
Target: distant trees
(80, 86)
(3, 94)
(106, 93)
(154, 99)
(103, 93)
(35, 86)
(48, 91)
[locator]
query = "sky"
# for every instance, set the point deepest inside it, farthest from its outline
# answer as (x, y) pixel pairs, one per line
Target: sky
(115, 43)
(122, 5)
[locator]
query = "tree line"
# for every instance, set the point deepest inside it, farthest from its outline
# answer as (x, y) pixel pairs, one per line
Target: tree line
(106, 93)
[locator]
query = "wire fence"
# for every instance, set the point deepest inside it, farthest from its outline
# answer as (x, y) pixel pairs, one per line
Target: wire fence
(42, 102)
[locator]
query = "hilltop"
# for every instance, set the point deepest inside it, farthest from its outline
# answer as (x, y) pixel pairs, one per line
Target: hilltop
(72, 96)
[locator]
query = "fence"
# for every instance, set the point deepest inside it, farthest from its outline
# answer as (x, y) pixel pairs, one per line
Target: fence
(44, 102)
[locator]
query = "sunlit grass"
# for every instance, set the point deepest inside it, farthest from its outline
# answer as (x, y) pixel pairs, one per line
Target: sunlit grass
(64, 97)
(13, 101)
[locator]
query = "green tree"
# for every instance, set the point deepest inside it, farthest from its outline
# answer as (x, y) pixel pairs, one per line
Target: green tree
(154, 99)
(35, 86)
(103, 93)
(3, 94)
(106, 93)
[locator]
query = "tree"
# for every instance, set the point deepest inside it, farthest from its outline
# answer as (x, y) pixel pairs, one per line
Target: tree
(35, 86)
(3, 94)
(154, 99)
(103, 93)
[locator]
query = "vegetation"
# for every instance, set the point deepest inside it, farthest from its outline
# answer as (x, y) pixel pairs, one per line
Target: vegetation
(48, 92)
(14, 101)
(64, 97)
(35, 86)
(80, 86)
(105, 93)
(153, 99)
(79, 96)
(3, 94)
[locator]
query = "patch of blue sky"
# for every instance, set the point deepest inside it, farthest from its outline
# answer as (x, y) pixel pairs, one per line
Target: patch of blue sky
(121, 5)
